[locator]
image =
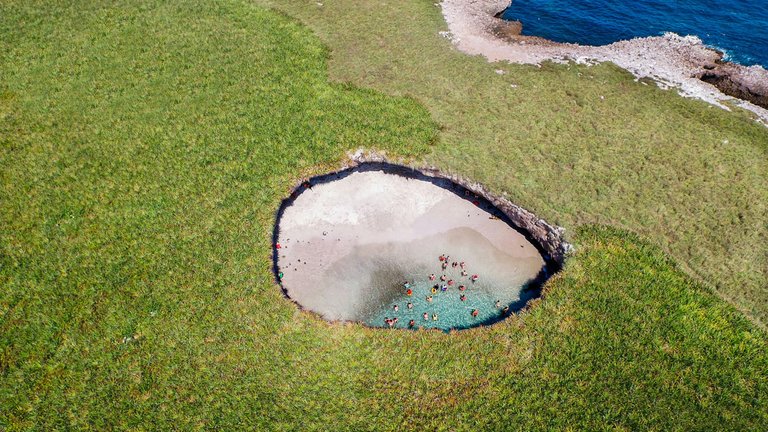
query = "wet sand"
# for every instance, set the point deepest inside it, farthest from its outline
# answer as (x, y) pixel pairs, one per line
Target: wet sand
(346, 246)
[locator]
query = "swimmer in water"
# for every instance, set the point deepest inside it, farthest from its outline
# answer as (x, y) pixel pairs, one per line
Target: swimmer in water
(442, 258)
(462, 287)
(498, 304)
(434, 317)
(455, 264)
(434, 289)
(395, 308)
(463, 297)
(429, 299)
(443, 288)
(461, 264)
(410, 305)
(443, 278)
(475, 313)
(432, 277)
(475, 277)
(506, 309)
(450, 282)
(411, 323)
(426, 316)
(409, 292)
(406, 284)
(464, 273)
(445, 266)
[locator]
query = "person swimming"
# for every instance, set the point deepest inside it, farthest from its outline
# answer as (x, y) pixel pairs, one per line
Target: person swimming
(443, 278)
(464, 273)
(443, 287)
(409, 292)
(432, 277)
(434, 317)
(434, 289)
(463, 297)
(411, 323)
(506, 309)
(475, 313)
(426, 316)
(462, 287)
(429, 299)
(395, 308)
(475, 277)
(410, 305)
(461, 264)
(445, 265)
(406, 284)
(454, 264)
(498, 304)
(442, 257)
(450, 282)
(389, 322)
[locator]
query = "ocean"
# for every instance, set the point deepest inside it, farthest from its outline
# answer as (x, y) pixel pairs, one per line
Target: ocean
(739, 28)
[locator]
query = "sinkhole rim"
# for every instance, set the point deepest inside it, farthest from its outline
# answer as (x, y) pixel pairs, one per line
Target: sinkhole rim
(547, 239)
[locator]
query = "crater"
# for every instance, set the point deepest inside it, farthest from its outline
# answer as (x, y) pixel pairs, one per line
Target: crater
(394, 247)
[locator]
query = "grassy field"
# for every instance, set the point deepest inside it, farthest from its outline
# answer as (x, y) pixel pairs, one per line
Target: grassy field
(145, 146)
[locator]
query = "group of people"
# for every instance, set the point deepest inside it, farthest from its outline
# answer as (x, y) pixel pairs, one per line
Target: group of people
(445, 283)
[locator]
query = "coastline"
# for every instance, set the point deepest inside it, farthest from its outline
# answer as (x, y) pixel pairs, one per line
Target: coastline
(671, 60)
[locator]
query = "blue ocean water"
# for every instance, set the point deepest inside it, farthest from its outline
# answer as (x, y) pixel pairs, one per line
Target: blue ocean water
(737, 27)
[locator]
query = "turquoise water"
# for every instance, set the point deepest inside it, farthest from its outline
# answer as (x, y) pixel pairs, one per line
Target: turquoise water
(737, 27)
(452, 312)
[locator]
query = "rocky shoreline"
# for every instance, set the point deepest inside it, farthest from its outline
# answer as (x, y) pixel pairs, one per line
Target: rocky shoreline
(671, 60)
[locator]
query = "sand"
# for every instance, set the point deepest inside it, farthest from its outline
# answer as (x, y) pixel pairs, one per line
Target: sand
(671, 60)
(346, 246)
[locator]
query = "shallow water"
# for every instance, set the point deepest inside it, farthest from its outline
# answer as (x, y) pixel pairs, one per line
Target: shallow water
(737, 27)
(347, 246)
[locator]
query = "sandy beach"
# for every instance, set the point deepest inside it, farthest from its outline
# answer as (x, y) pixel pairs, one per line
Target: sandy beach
(671, 60)
(346, 246)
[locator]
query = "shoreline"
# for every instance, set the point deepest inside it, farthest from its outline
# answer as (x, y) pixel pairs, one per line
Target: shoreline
(671, 61)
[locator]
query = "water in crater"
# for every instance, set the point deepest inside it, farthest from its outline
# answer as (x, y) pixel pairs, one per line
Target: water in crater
(355, 247)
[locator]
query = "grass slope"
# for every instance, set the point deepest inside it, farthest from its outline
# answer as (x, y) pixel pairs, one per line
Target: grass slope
(144, 148)
(574, 144)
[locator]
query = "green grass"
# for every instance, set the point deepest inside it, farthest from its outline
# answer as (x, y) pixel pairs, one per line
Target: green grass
(145, 147)
(689, 176)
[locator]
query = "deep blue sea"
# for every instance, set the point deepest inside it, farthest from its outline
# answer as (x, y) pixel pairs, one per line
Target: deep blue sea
(737, 27)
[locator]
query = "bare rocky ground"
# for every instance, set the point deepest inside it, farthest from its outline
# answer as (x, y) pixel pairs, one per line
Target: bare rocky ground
(672, 61)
